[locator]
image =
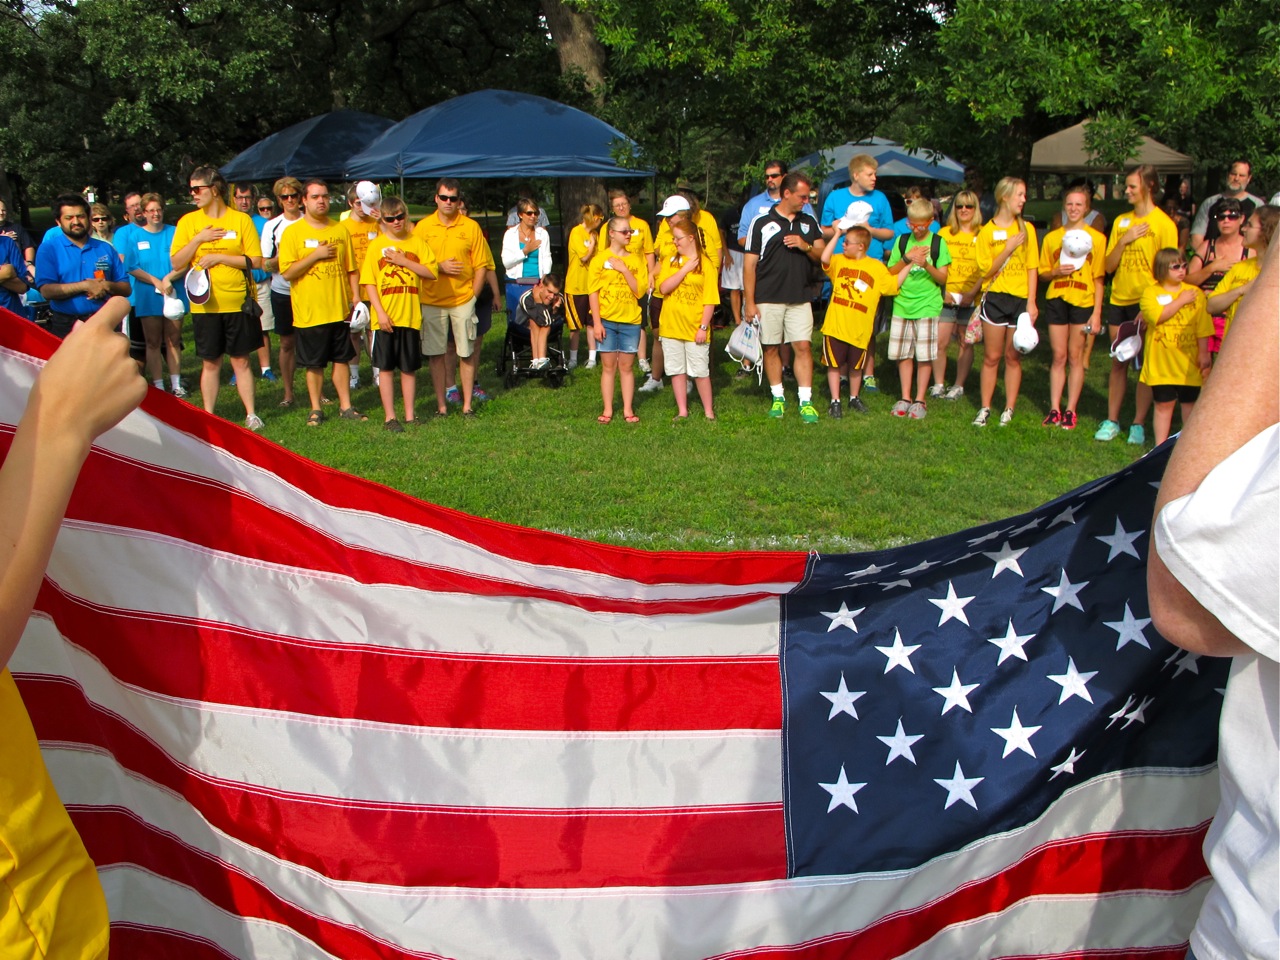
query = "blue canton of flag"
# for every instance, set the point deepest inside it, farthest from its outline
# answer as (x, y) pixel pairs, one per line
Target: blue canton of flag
(944, 693)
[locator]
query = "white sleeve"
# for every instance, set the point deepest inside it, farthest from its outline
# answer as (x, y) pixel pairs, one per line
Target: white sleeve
(512, 255)
(544, 253)
(1222, 542)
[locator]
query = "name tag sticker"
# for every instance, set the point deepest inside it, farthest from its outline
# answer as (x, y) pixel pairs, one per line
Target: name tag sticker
(860, 286)
(311, 244)
(144, 244)
(1124, 222)
(999, 234)
(372, 234)
(229, 235)
(1164, 299)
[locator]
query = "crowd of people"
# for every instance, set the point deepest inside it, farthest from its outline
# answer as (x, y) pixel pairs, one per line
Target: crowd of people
(246, 266)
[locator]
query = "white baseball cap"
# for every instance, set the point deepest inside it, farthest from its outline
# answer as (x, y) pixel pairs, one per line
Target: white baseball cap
(173, 308)
(858, 215)
(1076, 247)
(197, 284)
(369, 195)
(1025, 338)
(673, 204)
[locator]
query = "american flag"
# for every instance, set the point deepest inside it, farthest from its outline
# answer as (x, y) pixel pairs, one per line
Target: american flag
(297, 714)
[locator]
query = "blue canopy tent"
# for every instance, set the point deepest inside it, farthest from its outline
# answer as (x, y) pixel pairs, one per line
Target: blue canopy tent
(318, 147)
(895, 161)
(494, 133)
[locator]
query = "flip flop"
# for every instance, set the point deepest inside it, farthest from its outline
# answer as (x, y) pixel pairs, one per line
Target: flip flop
(632, 419)
(604, 418)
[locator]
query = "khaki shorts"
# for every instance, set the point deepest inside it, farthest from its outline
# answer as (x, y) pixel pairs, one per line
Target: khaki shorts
(685, 356)
(785, 322)
(436, 322)
(264, 301)
(913, 338)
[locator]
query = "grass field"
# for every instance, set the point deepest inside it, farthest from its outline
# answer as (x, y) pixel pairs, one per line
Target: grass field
(535, 456)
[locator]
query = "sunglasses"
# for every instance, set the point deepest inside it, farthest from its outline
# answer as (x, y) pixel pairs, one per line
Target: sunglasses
(197, 187)
(99, 219)
(528, 213)
(447, 198)
(265, 208)
(773, 176)
(1227, 216)
(1177, 266)
(287, 196)
(392, 217)
(964, 206)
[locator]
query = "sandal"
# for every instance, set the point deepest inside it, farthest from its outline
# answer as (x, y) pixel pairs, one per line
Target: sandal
(631, 418)
(604, 418)
(286, 403)
(315, 418)
(351, 413)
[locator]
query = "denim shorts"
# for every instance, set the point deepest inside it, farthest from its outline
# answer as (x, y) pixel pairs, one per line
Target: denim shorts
(620, 337)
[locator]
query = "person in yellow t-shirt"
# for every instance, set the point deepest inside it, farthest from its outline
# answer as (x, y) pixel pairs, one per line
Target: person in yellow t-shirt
(857, 284)
(1258, 232)
(1073, 261)
(1131, 251)
(1008, 259)
(617, 280)
(963, 284)
(51, 903)
(315, 257)
(361, 222)
(690, 296)
(584, 241)
(1175, 354)
(449, 301)
(394, 268)
(225, 243)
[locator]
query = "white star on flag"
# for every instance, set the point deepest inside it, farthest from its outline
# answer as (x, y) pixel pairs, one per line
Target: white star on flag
(1011, 644)
(957, 694)
(1121, 542)
(843, 617)
(1006, 559)
(1068, 765)
(1119, 714)
(900, 744)
(921, 567)
(1073, 682)
(987, 536)
(959, 787)
(898, 655)
(1066, 516)
(1188, 661)
(1031, 524)
(1016, 736)
(1065, 593)
(1139, 713)
(1130, 629)
(866, 571)
(842, 700)
(952, 607)
(889, 585)
(842, 792)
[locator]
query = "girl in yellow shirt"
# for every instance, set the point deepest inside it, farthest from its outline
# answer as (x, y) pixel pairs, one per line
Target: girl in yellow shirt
(961, 234)
(1175, 356)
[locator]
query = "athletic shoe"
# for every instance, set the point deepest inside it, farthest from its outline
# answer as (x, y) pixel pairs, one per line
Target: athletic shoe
(1006, 418)
(955, 393)
(540, 364)
(778, 408)
(591, 362)
(1107, 430)
(377, 376)
(269, 375)
(393, 426)
(253, 422)
(1052, 418)
(983, 415)
(478, 394)
(870, 385)
(355, 378)
(1137, 435)
(938, 390)
(651, 386)
(1068, 420)
(856, 404)
(573, 361)
(901, 407)
(834, 410)
(807, 413)
(645, 366)
(917, 411)
(453, 395)
(180, 392)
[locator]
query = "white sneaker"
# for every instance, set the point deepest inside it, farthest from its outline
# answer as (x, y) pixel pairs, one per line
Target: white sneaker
(377, 376)
(645, 366)
(1007, 417)
(955, 393)
(253, 422)
(591, 362)
(573, 361)
(180, 392)
(981, 419)
(651, 386)
(355, 379)
(938, 390)
(540, 363)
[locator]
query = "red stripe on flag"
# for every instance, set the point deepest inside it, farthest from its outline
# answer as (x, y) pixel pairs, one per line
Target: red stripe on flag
(133, 940)
(1091, 865)
(210, 662)
(438, 846)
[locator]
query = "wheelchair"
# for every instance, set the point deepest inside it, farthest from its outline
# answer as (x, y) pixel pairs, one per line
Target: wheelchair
(515, 361)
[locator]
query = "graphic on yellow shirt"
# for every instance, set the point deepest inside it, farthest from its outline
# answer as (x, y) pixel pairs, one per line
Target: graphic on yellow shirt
(462, 241)
(617, 302)
(1134, 275)
(398, 287)
(1246, 271)
(964, 260)
(682, 308)
(362, 232)
(227, 285)
(1013, 277)
(1076, 288)
(322, 294)
(856, 289)
(1171, 348)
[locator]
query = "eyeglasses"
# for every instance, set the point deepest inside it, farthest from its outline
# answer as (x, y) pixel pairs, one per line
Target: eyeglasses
(197, 187)
(447, 198)
(964, 206)
(392, 217)
(286, 196)
(1227, 216)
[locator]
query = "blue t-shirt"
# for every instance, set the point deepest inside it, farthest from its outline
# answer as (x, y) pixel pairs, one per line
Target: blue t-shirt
(761, 203)
(60, 261)
(121, 241)
(260, 224)
(11, 253)
(150, 252)
(837, 204)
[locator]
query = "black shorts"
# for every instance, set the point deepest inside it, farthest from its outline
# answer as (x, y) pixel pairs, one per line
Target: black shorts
(655, 313)
(1168, 392)
(60, 324)
(1058, 313)
(319, 346)
(225, 334)
(282, 309)
(836, 353)
(484, 314)
(1115, 314)
(1002, 309)
(398, 349)
(137, 339)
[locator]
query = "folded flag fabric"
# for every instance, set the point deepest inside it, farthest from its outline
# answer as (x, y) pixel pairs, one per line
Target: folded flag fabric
(297, 714)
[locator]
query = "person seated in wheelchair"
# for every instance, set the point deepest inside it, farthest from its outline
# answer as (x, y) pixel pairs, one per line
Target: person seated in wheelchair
(538, 308)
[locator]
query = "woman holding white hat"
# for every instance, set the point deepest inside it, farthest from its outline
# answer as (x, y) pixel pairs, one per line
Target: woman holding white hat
(158, 304)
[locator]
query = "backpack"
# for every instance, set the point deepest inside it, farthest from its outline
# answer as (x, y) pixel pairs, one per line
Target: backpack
(744, 347)
(935, 247)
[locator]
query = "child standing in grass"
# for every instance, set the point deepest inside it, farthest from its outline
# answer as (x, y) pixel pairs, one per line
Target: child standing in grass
(690, 296)
(617, 280)
(1176, 352)
(913, 334)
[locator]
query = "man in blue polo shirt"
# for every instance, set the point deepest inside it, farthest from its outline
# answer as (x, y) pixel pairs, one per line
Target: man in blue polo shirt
(75, 272)
(13, 276)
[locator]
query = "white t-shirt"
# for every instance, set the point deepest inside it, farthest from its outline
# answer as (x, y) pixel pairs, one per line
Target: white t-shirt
(1222, 543)
(271, 233)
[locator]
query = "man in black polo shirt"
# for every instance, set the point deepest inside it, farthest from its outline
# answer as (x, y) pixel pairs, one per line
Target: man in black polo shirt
(784, 247)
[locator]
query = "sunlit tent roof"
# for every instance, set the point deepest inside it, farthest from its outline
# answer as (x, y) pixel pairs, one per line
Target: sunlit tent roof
(1065, 152)
(895, 161)
(318, 147)
(495, 133)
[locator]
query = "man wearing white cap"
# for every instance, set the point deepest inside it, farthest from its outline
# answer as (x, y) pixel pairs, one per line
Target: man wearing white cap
(783, 250)
(365, 200)
(1073, 260)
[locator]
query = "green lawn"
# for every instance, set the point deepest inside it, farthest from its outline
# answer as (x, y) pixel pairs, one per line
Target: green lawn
(535, 456)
